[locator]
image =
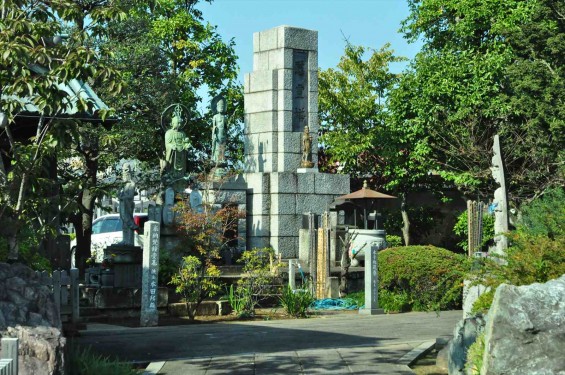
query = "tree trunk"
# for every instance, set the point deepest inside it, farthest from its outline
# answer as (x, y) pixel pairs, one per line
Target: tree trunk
(83, 227)
(405, 220)
(86, 199)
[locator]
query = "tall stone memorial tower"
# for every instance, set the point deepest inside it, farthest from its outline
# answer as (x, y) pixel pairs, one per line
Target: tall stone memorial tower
(281, 99)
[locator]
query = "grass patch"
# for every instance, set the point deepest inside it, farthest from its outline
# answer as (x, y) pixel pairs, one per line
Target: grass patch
(84, 361)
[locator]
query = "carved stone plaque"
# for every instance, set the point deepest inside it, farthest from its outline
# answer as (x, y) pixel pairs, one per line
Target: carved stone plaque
(299, 90)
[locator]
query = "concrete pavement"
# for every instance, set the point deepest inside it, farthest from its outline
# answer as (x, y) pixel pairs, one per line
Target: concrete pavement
(336, 344)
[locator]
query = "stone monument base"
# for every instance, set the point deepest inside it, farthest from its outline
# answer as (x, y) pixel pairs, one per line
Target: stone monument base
(276, 203)
(371, 311)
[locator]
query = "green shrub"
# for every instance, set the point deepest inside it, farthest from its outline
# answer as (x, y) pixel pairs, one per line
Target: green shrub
(461, 229)
(196, 281)
(393, 241)
(167, 267)
(85, 362)
(529, 259)
(28, 251)
(545, 216)
(357, 298)
(482, 304)
(394, 301)
(296, 302)
(259, 279)
(421, 278)
(475, 356)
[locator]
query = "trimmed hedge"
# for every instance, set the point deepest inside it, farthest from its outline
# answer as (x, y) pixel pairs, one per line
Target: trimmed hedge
(420, 278)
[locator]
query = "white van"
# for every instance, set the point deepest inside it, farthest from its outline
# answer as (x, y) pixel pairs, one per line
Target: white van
(107, 230)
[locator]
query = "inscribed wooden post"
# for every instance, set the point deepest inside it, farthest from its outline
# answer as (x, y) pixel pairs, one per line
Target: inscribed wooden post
(149, 314)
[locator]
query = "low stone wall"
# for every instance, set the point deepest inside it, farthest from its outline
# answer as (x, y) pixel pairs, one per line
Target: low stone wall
(205, 308)
(28, 312)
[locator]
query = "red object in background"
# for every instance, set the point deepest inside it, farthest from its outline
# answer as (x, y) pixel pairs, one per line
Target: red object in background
(139, 220)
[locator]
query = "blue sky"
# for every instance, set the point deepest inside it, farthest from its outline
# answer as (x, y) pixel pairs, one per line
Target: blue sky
(364, 22)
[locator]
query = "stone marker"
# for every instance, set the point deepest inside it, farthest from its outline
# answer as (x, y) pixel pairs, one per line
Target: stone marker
(371, 283)
(281, 114)
(10, 351)
(149, 314)
(292, 274)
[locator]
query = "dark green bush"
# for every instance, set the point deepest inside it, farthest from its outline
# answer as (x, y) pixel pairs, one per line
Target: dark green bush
(420, 278)
(545, 216)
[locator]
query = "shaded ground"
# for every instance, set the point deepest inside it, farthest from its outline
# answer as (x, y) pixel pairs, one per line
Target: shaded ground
(227, 338)
(427, 365)
(261, 314)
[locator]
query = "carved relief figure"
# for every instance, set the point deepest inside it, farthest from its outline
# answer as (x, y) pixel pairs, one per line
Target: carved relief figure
(500, 203)
(219, 129)
(127, 205)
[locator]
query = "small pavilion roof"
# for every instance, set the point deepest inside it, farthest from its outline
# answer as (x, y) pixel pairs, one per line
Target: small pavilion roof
(365, 193)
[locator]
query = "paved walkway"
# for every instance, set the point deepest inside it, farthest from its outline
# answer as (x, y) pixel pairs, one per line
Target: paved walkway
(336, 344)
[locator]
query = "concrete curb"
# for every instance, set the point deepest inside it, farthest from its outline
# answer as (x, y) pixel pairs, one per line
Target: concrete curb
(416, 353)
(154, 368)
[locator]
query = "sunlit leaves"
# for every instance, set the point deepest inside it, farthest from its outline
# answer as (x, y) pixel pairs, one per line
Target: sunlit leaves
(485, 68)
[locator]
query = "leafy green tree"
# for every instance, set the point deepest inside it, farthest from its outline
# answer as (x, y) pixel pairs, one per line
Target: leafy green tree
(169, 54)
(487, 67)
(34, 60)
(362, 134)
(196, 281)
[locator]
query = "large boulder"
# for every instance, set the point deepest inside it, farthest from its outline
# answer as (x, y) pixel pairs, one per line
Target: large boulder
(464, 335)
(525, 331)
(28, 312)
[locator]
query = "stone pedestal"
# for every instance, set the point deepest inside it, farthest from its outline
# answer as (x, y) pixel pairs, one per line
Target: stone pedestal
(276, 202)
(230, 192)
(126, 271)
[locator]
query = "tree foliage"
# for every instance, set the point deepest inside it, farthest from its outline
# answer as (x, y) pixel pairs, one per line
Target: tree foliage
(360, 130)
(35, 60)
(352, 109)
(488, 67)
(169, 54)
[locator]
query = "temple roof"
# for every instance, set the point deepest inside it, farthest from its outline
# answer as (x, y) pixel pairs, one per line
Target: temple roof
(75, 89)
